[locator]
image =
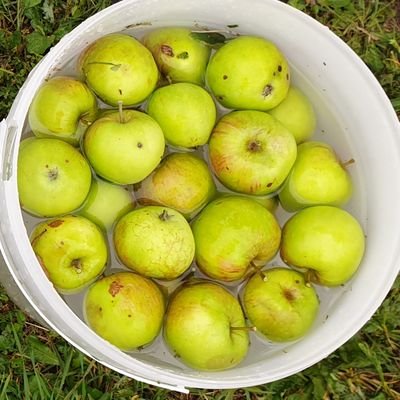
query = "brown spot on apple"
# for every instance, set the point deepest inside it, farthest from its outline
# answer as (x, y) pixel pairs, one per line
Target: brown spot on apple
(268, 89)
(254, 146)
(255, 187)
(55, 223)
(225, 77)
(167, 50)
(114, 288)
(289, 294)
(36, 238)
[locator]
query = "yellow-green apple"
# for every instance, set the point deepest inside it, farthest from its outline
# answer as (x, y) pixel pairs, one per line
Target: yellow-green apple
(179, 56)
(296, 113)
(249, 73)
(117, 67)
(205, 327)
(185, 112)
(124, 147)
(63, 107)
(182, 181)
(327, 242)
(317, 178)
(232, 235)
(106, 203)
(53, 177)
(154, 241)
(280, 304)
(125, 309)
(71, 250)
(251, 152)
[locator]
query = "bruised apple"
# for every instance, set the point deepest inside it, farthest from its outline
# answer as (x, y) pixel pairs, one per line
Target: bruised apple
(117, 308)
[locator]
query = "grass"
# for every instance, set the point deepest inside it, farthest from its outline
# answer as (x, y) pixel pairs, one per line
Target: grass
(37, 364)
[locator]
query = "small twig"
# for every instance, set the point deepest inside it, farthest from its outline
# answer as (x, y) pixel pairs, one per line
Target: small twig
(37, 326)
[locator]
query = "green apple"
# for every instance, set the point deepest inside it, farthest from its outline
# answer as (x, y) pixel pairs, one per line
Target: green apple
(154, 241)
(205, 327)
(251, 152)
(249, 73)
(182, 181)
(185, 112)
(118, 67)
(280, 304)
(124, 147)
(326, 241)
(297, 114)
(317, 178)
(179, 56)
(106, 203)
(63, 107)
(71, 250)
(53, 177)
(125, 309)
(233, 234)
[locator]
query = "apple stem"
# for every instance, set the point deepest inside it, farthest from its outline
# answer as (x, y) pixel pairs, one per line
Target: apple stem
(345, 164)
(244, 328)
(310, 276)
(263, 275)
(121, 114)
(77, 265)
(258, 270)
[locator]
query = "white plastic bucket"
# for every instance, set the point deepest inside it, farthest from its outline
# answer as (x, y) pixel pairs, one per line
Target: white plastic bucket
(354, 115)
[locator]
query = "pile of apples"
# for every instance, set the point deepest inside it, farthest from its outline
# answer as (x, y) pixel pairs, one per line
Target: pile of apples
(175, 156)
